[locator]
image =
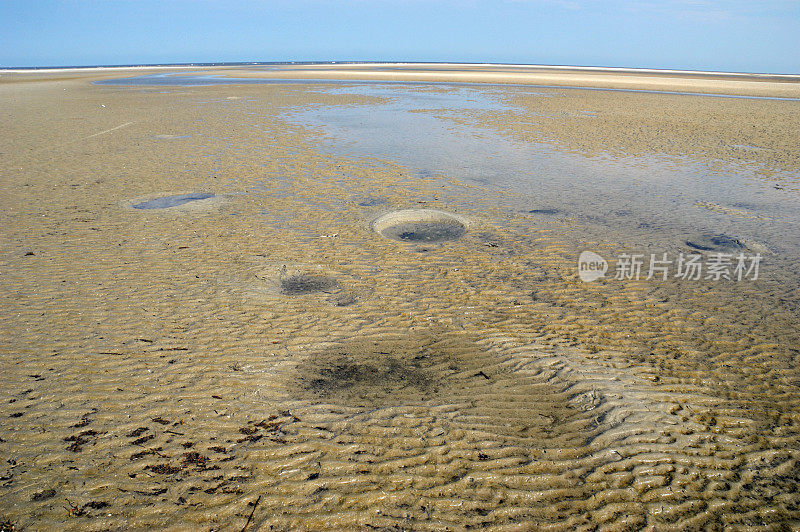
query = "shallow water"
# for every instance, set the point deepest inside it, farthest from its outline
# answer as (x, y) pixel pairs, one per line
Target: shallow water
(188, 79)
(424, 232)
(167, 202)
(659, 193)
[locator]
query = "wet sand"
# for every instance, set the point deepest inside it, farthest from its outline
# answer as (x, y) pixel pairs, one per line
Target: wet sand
(263, 357)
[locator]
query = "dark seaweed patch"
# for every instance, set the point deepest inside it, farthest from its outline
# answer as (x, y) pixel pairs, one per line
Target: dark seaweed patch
(164, 469)
(302, 284)
(137, 432)
(345, 374)
(77, 441)
(43, 495)
(446, 368)
(389, 372)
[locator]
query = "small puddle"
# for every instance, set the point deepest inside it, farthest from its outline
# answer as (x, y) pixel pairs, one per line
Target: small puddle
(171, 137)
(165, 202)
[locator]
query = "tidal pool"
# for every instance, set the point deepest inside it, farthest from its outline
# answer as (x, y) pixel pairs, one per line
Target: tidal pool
(650, 200)
(167, 202)
(420, 226)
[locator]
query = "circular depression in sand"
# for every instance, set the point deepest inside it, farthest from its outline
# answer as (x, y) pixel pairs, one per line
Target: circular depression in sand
(420, 225)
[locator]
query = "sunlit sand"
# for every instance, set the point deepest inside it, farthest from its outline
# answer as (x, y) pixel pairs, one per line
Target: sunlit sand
(305, 305)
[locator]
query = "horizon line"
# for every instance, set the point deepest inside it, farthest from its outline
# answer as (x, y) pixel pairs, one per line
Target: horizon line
(355, 62)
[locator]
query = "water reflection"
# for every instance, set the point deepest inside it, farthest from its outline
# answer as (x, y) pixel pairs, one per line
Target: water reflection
(654, 201)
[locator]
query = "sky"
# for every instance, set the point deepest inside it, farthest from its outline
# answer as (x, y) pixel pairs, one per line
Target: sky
(723, 35)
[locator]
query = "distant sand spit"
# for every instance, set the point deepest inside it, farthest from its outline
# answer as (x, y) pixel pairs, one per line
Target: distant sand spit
(741, 84)
(270, 359)
(702, 82)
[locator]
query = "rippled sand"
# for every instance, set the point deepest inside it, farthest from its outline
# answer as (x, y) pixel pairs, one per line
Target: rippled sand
(263, 358)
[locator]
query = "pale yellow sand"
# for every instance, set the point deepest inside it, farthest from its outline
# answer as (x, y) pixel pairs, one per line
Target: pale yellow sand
(533, 400)
(786, 86)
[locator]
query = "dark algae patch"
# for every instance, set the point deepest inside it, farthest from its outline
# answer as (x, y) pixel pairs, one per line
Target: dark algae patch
(345, 374)
(164, 469)
(367, 373)
(43, 495)
(77, 441)
(302, 284)
(166, 202)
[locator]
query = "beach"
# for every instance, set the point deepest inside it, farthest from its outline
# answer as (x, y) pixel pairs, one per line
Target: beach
(263, 350)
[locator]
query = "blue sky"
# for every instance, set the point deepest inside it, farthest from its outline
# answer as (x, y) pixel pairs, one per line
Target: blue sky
(732, 35)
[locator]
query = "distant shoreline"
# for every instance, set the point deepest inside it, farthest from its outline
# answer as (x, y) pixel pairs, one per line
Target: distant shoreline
(47, 70)
(536, 67)
(672, 81)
